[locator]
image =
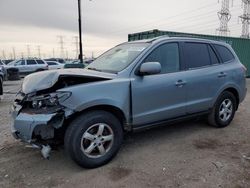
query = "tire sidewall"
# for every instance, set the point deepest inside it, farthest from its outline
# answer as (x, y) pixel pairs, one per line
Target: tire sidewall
(97, 117)
(223, 97)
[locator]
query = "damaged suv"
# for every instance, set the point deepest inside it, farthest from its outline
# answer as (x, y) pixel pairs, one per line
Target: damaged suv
(135, 85)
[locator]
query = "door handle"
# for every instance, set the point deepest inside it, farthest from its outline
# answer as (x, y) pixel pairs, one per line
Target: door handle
(222, 75)
(180, 83)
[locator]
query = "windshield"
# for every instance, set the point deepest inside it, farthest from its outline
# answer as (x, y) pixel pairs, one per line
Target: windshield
(118, 58)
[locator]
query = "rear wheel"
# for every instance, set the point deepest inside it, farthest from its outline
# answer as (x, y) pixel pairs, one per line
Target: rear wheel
(223, 111)
(93, 139)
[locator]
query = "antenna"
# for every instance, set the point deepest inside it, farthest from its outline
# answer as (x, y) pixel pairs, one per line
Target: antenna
(224, 17)
(245, 19)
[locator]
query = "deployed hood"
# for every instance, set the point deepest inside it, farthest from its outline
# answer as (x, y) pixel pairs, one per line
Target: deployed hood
(67, 77)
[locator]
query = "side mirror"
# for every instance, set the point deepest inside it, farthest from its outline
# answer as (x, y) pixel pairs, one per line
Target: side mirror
(150, 68)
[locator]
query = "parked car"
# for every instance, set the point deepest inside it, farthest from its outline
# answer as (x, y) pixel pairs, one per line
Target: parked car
(3, 69)
(75, 64)
(1, 83)
(54, 65)
(27, 66)
(59, 60)
(134, 86)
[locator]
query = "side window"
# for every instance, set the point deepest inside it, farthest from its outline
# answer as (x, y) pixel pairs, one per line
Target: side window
(31, 62)
(225, 54)
(213, 56)
(21, 62)
(40, 62)
(196, 55)
(168, 56)
(51, 63)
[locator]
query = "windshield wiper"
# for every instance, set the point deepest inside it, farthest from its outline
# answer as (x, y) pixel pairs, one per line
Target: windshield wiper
(94, 69)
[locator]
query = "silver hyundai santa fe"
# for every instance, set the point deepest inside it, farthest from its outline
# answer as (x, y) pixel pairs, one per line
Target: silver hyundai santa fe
(135, 85)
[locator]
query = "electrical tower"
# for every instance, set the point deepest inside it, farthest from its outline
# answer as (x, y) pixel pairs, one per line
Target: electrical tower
(224, 17)
(4, 56)
(245, 19)
(14, 52)
(61, 43)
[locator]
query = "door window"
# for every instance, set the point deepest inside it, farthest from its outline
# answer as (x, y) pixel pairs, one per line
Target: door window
(213, 56)
(21, 62)
(40, 62)
(168, 56)
(31, 62)
(196, 55)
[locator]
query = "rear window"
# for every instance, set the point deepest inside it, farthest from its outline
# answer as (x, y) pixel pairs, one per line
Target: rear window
(31, 62)
(225, 54)
(40, 62)
(196, 55)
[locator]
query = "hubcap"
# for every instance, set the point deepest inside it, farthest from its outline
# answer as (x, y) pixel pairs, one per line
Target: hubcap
(97, 140)
(226, 110)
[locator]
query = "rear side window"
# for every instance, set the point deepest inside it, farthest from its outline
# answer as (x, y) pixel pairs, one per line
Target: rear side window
(40, 62)
(168, 56)
(213, 56)
(196, 55)
(31, 62)
(225, 54)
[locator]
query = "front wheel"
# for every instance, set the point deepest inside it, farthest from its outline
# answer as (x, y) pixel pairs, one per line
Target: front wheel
(223, 111)
(93, 139)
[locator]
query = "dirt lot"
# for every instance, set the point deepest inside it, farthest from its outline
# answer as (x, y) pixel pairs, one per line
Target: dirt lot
(190, 154)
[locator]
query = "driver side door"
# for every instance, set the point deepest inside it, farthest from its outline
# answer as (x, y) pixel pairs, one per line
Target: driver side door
(162, 96)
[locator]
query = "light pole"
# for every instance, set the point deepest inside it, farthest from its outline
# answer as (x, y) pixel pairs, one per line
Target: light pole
(80, 31)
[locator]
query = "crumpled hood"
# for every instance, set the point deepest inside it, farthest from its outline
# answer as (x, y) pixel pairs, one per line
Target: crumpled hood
(47, 79)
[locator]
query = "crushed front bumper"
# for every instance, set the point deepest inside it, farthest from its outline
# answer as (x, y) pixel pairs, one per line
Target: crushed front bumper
(25, 125)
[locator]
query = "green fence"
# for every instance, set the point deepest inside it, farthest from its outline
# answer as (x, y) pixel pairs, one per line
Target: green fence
(241, 46)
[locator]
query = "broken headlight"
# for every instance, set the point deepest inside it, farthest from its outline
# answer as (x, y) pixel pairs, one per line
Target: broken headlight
(49, 100)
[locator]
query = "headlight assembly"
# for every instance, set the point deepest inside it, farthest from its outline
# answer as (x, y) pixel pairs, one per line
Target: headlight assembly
(49, 100)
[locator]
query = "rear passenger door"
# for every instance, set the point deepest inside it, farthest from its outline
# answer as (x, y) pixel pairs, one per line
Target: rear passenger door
(31, 65)
(202, 75)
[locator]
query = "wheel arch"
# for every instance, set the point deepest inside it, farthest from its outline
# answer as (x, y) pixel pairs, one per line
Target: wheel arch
(235, 92)
(117, 112)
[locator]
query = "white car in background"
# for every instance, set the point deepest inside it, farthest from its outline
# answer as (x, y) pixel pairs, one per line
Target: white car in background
(54, 65)
(27, 66)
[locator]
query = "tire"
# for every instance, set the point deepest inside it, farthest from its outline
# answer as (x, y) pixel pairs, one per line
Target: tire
(221, 115)
(77, 145)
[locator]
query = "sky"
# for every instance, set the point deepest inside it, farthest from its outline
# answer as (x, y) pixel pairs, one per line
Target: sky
(31, 23)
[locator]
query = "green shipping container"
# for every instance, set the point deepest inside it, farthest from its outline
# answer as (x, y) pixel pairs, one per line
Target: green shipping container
(240, 45)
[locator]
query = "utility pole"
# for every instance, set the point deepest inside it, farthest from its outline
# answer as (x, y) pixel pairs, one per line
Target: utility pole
(53, 52)
(245, 19)
(14, 52)
(28, 51)
(39, 51)
(224, 17)
(61, 43)
(80, 30)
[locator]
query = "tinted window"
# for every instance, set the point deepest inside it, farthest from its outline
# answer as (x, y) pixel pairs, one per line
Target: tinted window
(168, 56)
(40, 62)
(224, 53)
(213, 56)
(21, 62)
(31, 62)
(196, 55)
(51, 63)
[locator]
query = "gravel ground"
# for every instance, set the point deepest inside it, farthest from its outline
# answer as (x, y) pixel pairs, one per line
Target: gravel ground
(190, 154)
